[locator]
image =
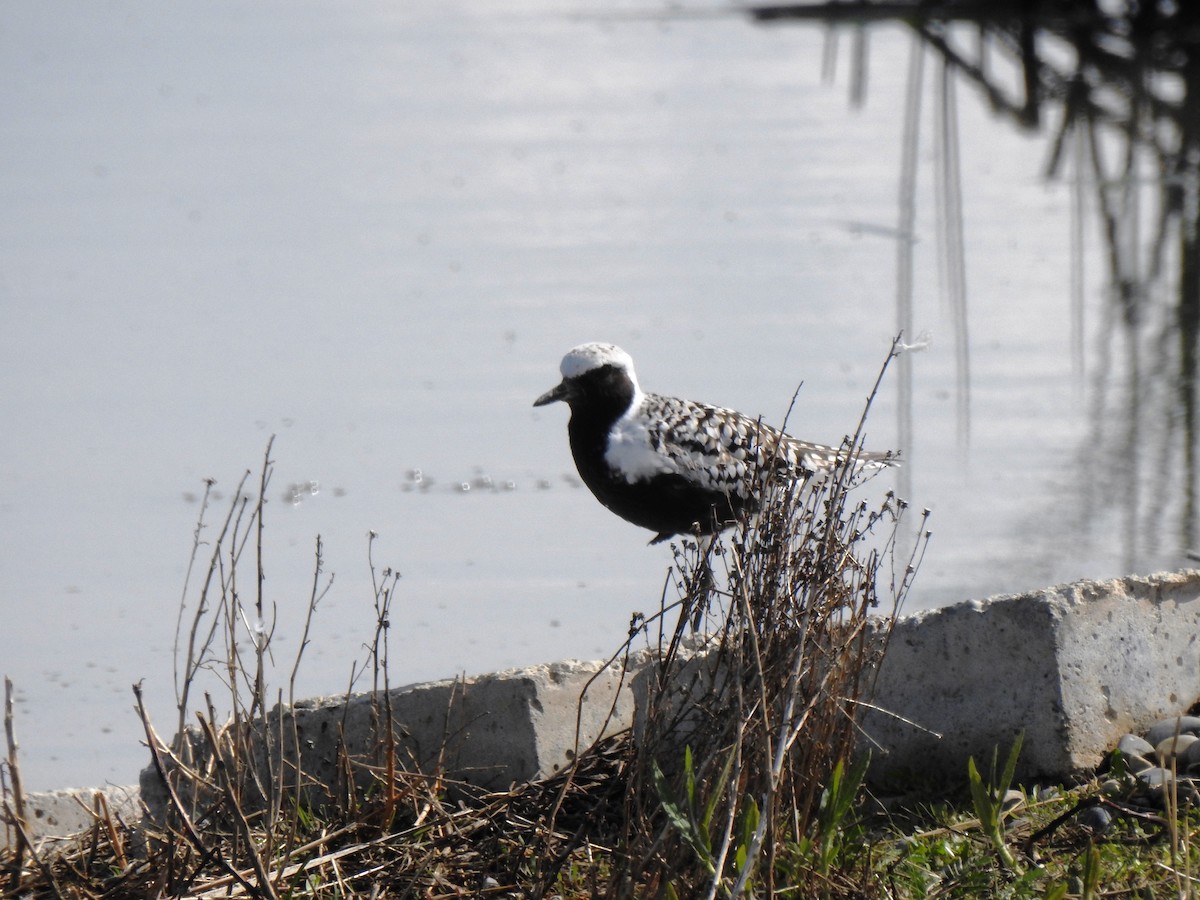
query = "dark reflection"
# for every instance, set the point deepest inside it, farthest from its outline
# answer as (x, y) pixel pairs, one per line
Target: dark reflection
(1118, 92)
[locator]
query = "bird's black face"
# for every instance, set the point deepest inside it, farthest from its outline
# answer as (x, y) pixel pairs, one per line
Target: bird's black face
(603, 388)
(600, 394)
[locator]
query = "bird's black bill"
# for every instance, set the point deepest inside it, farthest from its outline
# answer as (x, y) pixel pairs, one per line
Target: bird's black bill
(555, 393)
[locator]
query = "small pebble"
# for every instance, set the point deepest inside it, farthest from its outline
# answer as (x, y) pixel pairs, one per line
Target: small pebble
(1096, 819)
(1155, 778)
(1155, 782)
(1112, 788)
(1165, 728)
(1012, 799)
(1135, 762)
(1131, 744)
(1189, 791)
(1173, 747)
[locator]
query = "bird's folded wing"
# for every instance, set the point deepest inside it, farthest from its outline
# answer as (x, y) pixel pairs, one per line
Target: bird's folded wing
(717, 447)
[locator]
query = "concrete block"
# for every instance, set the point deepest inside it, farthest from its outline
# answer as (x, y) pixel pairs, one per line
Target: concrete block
(57, 814)
(1074, 666)
(489, 731)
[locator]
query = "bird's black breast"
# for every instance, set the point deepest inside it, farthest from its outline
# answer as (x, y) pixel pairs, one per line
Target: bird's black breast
(667, 504)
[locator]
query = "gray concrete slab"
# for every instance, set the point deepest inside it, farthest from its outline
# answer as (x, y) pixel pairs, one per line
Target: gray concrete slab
(1074, 666)
(485, 732)
(490, 731)
(55, 814)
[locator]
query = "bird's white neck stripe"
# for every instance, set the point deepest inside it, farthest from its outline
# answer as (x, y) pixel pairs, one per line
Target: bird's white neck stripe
(630, 450)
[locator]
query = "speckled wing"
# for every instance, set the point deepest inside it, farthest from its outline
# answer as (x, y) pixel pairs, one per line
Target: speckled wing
(716, 447)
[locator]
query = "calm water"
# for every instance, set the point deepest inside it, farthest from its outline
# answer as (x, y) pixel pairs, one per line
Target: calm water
(374, 234)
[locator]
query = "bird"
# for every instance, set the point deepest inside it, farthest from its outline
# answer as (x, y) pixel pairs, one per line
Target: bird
(674, 466)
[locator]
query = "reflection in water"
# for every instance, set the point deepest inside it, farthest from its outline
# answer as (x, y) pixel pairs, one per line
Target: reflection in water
(1123, 88)
(907, 212)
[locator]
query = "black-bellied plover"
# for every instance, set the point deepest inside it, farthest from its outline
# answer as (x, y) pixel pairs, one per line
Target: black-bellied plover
(671, 465)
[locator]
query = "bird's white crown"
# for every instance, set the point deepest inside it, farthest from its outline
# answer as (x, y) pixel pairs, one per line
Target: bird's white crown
(586, 357)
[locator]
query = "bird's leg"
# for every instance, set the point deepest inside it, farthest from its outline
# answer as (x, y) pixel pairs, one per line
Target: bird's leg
(701, 583)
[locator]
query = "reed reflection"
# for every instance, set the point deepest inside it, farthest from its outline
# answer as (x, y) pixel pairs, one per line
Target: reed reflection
(1117, 93)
